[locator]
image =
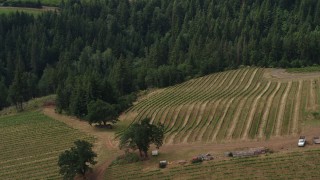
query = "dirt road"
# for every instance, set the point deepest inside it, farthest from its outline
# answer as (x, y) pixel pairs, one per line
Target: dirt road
(105, 146)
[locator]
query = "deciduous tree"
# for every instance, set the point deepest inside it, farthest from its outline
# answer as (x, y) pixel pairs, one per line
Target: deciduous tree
(141, 135)
(76, 161)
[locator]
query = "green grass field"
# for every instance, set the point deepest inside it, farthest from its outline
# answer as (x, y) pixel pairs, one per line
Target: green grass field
(304, 69)
(9, 10)
(43, 2)
(292, 165)
(30, 144)
(31, 105)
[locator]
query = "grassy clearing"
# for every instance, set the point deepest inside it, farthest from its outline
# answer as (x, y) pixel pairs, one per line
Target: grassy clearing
(33, 104)
(30, 144)
(43, 2)
(10, 10)
(304, 69)
(292, 165)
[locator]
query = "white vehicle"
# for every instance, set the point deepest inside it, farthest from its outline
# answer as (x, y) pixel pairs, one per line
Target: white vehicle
(316, 140)
(302, 141)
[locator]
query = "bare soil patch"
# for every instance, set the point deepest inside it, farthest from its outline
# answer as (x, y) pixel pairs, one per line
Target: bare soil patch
(284, 76)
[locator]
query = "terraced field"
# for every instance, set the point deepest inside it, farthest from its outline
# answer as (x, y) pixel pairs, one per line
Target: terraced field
(236, 104)
(30, 144)
(293, 165)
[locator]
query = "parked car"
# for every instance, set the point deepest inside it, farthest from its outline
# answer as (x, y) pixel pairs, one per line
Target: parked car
(302, 141)
(316, 140)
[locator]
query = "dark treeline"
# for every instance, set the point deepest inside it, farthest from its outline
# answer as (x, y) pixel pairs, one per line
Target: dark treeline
(102, 51)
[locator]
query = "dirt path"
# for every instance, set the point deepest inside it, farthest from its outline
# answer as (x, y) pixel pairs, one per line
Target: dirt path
(177, 152)
(253, 110)
(297, 109)
(266, 111)
(105, 146)
(281, 110)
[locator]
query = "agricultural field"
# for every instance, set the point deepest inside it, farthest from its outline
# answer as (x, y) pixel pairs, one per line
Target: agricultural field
(30, 144)
(9, 10)
(291, 165)
(43, 2)
(236, 104)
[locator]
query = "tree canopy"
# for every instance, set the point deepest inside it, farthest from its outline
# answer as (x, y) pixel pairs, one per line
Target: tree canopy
(76, 161)
(107, 49)
(101, 112)
(141, 135)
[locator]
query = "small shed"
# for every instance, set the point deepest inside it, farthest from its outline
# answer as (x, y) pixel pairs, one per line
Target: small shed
(163, 164)
(155, 153)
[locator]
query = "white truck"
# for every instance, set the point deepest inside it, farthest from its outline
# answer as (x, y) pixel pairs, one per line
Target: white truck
(302, 141)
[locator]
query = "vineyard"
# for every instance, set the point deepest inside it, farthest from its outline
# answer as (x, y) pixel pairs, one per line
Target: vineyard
(30, 144)
(292, 165)
(236, 104)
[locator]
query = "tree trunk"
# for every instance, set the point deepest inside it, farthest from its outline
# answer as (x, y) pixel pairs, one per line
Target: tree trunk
(141, 155)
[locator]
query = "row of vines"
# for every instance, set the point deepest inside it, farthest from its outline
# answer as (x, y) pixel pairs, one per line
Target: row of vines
(292, 165)
(236, 104)
(30, 144)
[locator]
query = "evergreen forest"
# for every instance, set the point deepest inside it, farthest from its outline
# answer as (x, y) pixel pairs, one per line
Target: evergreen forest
(98, 53)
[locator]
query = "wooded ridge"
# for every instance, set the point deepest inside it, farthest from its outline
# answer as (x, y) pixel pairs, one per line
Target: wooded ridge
(104, 50)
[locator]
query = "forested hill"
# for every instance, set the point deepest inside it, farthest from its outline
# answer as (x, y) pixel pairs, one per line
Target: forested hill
(101, 50)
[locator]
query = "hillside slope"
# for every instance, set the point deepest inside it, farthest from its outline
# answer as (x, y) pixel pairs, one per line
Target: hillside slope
(237, 104)
(30, 144)
(292, 165)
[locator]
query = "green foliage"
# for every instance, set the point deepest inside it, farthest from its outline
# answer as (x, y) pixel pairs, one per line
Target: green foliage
(196, 160)
(101, 112)
(9, 11)
(127, 158)
(316, 115)
(135, 45)
(48, 81)
(141, 135)
(3, 94)
(305, 69)
(17, 90)
(77, 159)
(33, 3)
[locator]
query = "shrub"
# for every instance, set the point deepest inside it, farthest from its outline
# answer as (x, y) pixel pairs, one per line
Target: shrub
(126, 159)
(196, 160)
(316, 115)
